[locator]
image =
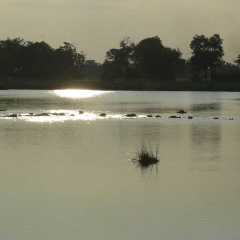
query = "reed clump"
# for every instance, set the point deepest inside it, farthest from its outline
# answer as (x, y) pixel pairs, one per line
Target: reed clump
(145, 157)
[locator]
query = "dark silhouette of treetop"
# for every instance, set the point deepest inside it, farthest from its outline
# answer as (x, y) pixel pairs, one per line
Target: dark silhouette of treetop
(157, 62)
(237, 61)
(207, 54)
(118, 61)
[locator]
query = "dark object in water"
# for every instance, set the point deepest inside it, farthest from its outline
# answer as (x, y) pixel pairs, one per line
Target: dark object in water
(182, 111)
(157, 116)
(145, 157)
(80, 112)
(131, 115)
(149, 115)
(58, 114)
(103, 115)
(174, 116)
(230, 118)
(41, 115)
(215, 118)
(190, 117)
(12, 115)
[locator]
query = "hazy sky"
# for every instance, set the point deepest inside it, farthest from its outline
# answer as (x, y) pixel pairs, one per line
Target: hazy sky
(95, 26)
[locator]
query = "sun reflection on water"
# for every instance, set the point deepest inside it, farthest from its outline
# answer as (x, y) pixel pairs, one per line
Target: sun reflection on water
(76, 93)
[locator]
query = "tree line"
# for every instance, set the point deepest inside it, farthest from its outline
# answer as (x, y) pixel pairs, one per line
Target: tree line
(33, 60)
(149, 59)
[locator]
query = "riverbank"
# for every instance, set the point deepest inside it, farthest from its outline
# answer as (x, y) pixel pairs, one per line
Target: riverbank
(133, 85)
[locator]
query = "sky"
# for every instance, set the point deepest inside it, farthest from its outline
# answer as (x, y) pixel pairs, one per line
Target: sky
(95, 26)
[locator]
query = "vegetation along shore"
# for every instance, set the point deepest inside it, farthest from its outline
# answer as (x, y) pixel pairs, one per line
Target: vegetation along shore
(147, 65)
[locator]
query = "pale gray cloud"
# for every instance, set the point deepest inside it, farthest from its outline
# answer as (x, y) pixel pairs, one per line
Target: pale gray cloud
(98, 25)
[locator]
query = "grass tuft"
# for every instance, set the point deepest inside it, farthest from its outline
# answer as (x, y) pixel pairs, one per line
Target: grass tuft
(145, 157)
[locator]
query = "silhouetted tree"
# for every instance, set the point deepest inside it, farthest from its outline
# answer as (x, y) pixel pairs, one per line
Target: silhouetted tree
(7, 63)
(237, 61)
(126, 54)
(207, 54)
(172, 62)
(227, 72)
(148, 57)
(118, 62)
(10, 55)
(67, 61)
(25, 59)
(154, 61)
(36, 60)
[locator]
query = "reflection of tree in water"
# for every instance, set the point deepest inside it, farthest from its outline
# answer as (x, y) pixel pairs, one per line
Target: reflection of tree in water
(206, 107)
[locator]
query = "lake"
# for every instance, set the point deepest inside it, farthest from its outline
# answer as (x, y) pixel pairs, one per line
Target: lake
(66, 175)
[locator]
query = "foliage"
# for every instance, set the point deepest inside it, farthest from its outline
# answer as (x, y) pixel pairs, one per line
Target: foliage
(227, 72)
(206, 53)
(118, 62)
(157, 62)
(35, 60)
(147, 65)
(38, 60)
(68, 62)
(148, 59)
(237, 61)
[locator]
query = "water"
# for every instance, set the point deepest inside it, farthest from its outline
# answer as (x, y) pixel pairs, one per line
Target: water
(71, 176)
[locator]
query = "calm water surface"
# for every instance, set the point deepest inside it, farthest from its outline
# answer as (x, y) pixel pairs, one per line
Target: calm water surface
(71, 176)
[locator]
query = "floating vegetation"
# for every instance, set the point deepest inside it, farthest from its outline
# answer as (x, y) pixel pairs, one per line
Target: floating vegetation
(174, 116)
(55, 115)
(41, 115)
(131, 115)
(58, 114)
(145, 157)
(13, 115)
(182, 111)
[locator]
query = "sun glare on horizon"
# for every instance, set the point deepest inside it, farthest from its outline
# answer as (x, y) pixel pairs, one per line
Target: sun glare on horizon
(74, 93)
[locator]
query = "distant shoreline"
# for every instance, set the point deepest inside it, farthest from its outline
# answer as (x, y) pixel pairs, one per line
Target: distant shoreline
(117, 85)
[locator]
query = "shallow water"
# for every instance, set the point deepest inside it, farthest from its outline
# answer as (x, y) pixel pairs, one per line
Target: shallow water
(71, 177)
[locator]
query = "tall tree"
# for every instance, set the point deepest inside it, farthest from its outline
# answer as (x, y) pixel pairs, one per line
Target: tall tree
(10, 55)
(36, 60)
(118, 61)
(157, 62)
(207, 54)
(68, 62)
(148, 57)
(126, 53)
